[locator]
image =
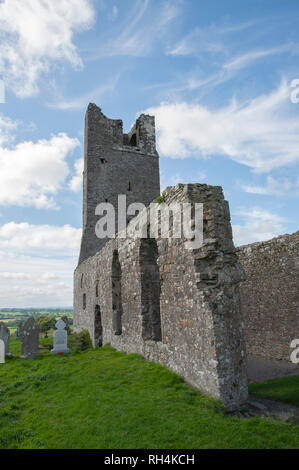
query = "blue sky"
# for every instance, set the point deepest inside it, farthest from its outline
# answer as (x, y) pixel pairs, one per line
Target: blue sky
(220, 78)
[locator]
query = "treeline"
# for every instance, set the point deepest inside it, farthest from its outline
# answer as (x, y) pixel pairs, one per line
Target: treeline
(36, 310)
(46, 318)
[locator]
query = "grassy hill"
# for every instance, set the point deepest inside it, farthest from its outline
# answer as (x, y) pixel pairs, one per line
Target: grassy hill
(106, 399)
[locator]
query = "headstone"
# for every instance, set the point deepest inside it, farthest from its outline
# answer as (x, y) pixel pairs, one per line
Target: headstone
(2, 351)
(5, 335)
(60, 339)
(19, 330)
(30, 338)
(67, 326)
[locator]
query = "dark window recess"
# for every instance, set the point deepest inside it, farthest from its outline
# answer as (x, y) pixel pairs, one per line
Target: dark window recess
(129, 186)
(97, 289)
(117, 309)
(84, 301)
(82, 278)
(98, 328)
(103, 160)
(133, 140)
(150, 290)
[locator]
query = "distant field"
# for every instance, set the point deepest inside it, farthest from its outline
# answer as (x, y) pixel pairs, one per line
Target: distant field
(13, 318)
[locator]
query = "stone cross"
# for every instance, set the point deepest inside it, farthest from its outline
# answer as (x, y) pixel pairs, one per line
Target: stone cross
(5, 335)
(30, 338)
(66, 321)
(2, 351)
(60, 339)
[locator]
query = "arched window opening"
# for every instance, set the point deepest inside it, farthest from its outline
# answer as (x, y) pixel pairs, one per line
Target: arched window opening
(116, 295)
(150, 290)
(133, 140)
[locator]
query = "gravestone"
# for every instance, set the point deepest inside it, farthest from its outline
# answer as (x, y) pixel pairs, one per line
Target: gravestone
(19, 330)
(2, 351)
(30, 338)
(5, 335)
(60, 339)
(67, 326)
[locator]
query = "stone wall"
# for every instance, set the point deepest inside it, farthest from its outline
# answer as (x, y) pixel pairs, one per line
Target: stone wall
(270, 296)
(116, 164)
(172, 304)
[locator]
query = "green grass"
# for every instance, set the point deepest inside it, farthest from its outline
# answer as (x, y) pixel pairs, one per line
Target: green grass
(107, 399)
(285, 390)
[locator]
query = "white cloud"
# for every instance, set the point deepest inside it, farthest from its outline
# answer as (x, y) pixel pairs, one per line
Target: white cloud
(114, 11)
(32, 172)
(245, 60)
(25, 237)
(197, 42)
(76, 181)
(37, 264)
(7, 126)
(79, 102)
(12, 275)
(272, 187)
(32, 290)
(262, 133)
(34, 34)
(211, 39)
(140, 31)
(49, 276)
(177, 178)
(259, 225)
(202, 175)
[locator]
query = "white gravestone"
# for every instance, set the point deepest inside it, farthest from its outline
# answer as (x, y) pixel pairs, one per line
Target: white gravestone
(60, 339)
(2, 351)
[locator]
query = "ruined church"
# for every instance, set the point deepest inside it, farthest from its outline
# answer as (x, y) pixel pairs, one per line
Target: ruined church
(198, 311)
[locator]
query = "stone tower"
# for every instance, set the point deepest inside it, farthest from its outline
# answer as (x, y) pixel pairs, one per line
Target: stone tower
(116, 164)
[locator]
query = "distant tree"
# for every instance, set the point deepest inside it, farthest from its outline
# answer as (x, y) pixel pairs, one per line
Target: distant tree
(46, 323)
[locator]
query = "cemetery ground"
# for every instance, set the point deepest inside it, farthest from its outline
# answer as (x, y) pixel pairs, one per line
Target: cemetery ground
(105, 399)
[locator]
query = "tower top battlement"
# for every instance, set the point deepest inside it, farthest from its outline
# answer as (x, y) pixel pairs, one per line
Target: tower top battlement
(140, 138)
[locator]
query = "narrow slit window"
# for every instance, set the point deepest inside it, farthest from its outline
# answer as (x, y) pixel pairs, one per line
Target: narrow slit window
(116, 295)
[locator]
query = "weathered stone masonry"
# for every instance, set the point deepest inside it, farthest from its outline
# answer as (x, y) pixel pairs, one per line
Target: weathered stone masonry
(270, 296)
(175, 306)
(116, 163)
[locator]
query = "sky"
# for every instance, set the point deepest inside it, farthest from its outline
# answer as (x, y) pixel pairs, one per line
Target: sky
(221, 79)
